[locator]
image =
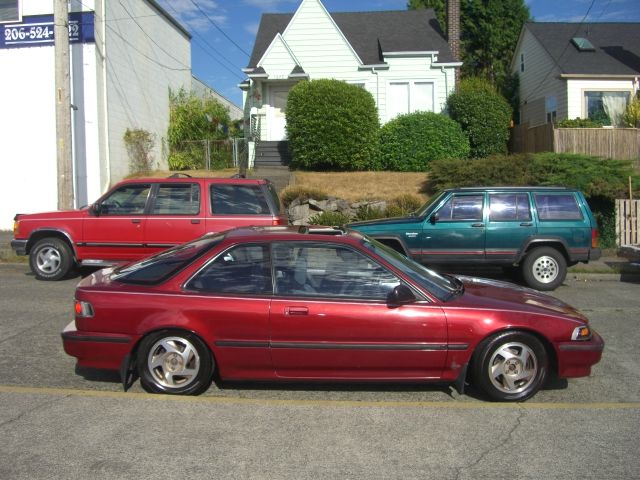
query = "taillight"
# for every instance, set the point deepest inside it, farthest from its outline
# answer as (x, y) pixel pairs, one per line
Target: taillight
(83, 309)
(595, 238)
(278, 221)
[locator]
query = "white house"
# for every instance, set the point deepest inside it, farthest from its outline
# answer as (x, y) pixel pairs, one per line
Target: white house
(401, 57)
(125, 55)
(569, 70)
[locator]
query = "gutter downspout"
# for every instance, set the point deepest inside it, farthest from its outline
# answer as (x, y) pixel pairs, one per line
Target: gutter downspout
(375, 72)
(105, 120)
(446, 83)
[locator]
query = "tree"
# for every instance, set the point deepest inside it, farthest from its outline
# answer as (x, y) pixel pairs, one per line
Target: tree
(489, 33)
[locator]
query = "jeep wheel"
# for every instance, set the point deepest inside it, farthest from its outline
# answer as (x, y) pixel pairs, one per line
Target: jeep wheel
(544, 268)
(50, 259)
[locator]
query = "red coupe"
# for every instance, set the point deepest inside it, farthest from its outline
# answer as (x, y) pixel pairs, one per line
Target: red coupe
(286, 303)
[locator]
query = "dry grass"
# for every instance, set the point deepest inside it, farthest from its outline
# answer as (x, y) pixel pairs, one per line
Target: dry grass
(355, 186)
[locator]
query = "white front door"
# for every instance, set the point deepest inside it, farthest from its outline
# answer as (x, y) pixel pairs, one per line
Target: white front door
(276, 120)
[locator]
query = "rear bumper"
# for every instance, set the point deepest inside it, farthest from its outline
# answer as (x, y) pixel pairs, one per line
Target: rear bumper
(20, 246)
(96, 349)
(575, 359)
(595, 254)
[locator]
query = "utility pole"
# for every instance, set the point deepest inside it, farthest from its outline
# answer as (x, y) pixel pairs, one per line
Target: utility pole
(63, 105)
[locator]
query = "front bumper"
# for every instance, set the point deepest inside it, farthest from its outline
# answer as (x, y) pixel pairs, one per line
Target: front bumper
(575, 359)
(96, 349)
(20, 246)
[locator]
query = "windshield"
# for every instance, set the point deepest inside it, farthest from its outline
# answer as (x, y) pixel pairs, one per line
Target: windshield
(443, 287)
(160, 267)
(430, 205)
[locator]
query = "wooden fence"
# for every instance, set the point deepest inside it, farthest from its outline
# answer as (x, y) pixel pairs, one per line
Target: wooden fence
(627, 222)
(618, 143)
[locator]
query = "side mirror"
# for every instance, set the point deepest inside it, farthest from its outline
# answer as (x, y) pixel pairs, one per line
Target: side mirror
(400, 295)
(95, 209)
(434, 218)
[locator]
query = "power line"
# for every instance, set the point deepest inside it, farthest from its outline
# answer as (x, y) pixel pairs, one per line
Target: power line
(219, 29)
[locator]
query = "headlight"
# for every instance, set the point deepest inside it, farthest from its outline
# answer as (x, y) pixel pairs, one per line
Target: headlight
(581, 333)
(83, 309)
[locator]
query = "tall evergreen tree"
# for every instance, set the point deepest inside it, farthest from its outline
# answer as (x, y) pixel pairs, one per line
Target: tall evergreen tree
(489, 31)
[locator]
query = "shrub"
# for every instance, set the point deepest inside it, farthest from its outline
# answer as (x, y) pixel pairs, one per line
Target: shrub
(409, 142)
(330, 218)
(596, 177)
(369, 212)
(332, 125)
(483, 114)
(631, 117)
(578, 123)
(403, 205)
(139, 144)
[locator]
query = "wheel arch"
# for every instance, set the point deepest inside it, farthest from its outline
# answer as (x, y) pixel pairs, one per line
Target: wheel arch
(552, 355)
(40, 234)
(394, 242)
(555, 243)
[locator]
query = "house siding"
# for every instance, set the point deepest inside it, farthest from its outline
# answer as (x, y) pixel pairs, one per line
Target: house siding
(577, 87)
(278, 60)
(539, 81)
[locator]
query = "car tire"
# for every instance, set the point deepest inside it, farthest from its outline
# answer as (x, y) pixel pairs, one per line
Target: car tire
(544, 268)
(51, 259)
(510, 366)
(174, 363)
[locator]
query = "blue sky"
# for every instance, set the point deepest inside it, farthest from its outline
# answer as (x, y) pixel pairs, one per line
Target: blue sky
(224, 30)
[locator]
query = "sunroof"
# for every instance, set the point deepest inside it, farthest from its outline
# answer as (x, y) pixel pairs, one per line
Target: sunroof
(583, 44)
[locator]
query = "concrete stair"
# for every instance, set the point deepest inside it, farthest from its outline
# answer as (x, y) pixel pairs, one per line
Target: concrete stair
(272, 154)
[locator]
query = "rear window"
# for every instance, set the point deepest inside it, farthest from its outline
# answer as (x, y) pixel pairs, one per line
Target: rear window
(238, 200)
(557, 207)
(161, 267)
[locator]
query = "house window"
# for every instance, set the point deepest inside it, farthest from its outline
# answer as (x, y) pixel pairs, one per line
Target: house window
(522, 62)
(606, 108)
(407, 97)
(9, 11)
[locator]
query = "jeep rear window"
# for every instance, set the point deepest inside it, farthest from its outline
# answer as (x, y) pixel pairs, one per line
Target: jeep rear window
(557, 207)
(238, 200)
(274, 197)
(162, 266)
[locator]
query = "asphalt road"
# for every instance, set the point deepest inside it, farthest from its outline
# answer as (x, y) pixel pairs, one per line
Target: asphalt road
(56, 423)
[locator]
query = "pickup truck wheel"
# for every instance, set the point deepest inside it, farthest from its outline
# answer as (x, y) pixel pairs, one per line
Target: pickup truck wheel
(544, 268)
(50, 259)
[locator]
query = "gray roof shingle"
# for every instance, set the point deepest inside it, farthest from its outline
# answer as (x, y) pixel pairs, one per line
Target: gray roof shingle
(369, 33)
(617, 47)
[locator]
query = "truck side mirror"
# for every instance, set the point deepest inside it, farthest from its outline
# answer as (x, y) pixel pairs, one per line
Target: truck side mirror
(434, 218)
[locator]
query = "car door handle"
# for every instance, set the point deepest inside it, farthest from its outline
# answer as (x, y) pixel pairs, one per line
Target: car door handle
(195, 221)
(526, 224)
(135, 220)
(296, 311)
(477, 225)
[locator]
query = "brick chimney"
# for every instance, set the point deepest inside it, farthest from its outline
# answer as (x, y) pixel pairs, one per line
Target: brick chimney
(453, 32)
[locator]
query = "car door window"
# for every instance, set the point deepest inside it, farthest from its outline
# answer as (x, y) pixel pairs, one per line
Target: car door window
(509, 207)
(242, 270)
(238, 200)
(462, 208)
(126, 200)
(177, 199)
(557, 207)
(329, 271)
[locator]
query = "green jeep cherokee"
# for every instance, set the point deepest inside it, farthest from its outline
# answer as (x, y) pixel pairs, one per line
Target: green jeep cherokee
(541, 230)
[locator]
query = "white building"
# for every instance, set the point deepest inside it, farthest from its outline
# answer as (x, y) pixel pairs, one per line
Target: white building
(125, 56)
(401, 57)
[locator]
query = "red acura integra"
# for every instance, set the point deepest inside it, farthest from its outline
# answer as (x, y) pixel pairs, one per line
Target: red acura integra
(270, 303)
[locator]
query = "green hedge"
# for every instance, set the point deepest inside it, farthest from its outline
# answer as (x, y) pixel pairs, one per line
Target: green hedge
(483, 114)
(410, 142)
(332, 125)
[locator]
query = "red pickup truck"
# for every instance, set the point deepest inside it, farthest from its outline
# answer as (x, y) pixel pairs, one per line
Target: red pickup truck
(139, 217)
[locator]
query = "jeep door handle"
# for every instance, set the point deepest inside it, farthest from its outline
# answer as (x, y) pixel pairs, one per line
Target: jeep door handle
(195, 221)
(477, 225)
(135, 220)
(526, 224)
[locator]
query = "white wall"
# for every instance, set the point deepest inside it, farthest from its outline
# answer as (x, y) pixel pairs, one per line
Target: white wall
(146, 55)
(577, 87)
